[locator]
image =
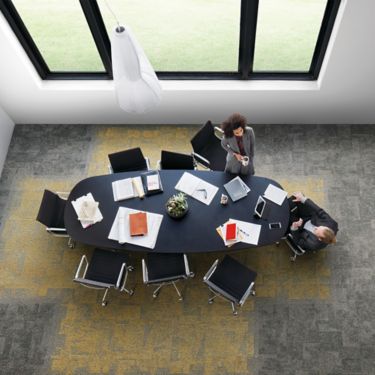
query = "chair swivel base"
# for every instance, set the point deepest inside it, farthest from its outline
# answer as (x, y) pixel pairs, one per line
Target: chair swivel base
(156, 292)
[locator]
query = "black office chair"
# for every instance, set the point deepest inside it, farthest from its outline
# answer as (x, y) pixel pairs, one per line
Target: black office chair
(51, 214)
(106, 269)
(175, 160)
(163, 269)
(207, 150)
(128, 160)
(292, 244)
(231, 280)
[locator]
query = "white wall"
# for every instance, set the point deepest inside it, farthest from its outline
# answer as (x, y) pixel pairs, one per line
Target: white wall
(6, 131)
(344, 93)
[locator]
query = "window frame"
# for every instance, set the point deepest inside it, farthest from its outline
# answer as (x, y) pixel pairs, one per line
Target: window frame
(247, 37)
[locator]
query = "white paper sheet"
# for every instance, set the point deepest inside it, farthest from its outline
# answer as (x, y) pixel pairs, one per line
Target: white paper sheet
(275, 194)
(120, 230)
(77, 207)
(125, 188)
(249, 232)
(197, 188)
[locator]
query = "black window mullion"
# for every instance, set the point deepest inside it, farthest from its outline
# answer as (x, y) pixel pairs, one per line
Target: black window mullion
(324, 36)
(95, 21)
(248, 25)
(24, 37)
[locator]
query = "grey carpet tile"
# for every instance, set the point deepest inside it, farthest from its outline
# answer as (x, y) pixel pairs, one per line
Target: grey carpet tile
(334, 336)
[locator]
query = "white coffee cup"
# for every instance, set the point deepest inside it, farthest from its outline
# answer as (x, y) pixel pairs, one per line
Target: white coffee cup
(245, 161)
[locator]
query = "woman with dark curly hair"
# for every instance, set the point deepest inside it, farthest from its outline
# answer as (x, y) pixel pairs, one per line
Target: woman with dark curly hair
(239, 142)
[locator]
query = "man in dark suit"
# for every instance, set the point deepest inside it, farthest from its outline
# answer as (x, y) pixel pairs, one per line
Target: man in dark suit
(311, 227)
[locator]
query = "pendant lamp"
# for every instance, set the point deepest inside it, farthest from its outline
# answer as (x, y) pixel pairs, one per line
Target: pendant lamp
(137, 87)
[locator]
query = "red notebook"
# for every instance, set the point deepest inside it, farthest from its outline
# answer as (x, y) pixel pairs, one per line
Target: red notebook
(231, 232)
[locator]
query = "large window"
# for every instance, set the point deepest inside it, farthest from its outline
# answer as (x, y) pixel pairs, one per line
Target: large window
(184, 39)
(60, 31)
(182, 35)
(286, 34)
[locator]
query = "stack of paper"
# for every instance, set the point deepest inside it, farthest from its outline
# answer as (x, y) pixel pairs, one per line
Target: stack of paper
(120, 230)
(196, 188)
(87, 210)
(247, 232)
(275, 194)
(127, 188)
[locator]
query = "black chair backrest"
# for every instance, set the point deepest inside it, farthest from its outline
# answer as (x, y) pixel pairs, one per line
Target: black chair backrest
(204, 136)
(51, 211)
(175, 160)
(128, 160)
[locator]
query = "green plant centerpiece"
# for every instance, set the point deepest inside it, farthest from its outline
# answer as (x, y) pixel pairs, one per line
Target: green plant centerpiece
(177, 206)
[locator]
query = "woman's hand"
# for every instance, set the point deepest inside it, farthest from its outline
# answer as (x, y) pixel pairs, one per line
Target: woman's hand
(238, 156)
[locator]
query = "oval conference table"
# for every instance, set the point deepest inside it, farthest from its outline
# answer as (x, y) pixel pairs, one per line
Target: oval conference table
(196, 232)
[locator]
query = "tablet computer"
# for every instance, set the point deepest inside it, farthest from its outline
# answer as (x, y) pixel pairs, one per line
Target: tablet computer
(259, 207)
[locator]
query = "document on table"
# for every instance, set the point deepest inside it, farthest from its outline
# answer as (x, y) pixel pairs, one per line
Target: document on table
(197, 188)
(120, 230)
(249, 232)
(127, 188)
(87, 210)
(275, 194)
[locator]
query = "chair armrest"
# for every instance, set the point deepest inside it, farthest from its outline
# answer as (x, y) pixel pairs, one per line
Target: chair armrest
(291, 243)
(158, 165)
(123, 266)
(211, 271)
(219, 133)
(147, 163)
(92, 283)
(200, 159)
(83, 260)
(244, 297)
(187, 269)
(57, 232)
(63, 194)
(144, 272)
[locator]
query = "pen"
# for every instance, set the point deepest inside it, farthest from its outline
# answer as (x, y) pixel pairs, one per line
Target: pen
(246, 234)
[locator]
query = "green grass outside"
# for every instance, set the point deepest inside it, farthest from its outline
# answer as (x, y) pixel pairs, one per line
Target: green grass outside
(178, 35)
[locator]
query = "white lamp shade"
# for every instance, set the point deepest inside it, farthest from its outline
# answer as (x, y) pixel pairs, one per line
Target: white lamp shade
(137, 87)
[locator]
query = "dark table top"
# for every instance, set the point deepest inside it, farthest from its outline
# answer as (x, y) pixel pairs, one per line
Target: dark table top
(196, 232)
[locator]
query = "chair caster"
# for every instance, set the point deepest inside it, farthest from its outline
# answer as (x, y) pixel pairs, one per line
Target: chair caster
(130, 268)
(277, 244)
(71, 244)
(131, 292)
(235, 313)
(104, 303)
(292, 259)
(154, 295)
(181, 298)
(253, 293)
(191, 274)
(210, 302)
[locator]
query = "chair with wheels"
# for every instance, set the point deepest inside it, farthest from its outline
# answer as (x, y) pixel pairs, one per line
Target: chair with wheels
(128, 160)
(51, 214)
(175, 160)
(207, 150)
(231, 280)
(296, 249)
(106, 270)
(162, 269)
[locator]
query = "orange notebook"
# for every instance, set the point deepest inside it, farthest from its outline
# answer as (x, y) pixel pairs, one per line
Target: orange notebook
(138, 224)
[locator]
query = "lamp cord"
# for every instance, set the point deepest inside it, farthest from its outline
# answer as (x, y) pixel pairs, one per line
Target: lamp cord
(119, 27)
